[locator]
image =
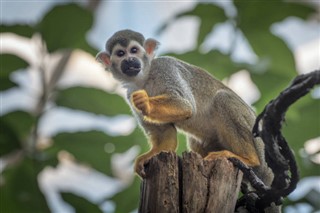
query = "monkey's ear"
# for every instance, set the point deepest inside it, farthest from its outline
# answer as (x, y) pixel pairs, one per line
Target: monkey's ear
(104, 58)
(151, 45)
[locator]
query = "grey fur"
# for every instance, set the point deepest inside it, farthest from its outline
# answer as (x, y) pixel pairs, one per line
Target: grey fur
(123, 38)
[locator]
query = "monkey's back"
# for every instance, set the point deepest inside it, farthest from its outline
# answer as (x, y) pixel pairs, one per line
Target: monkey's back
(190, 81)
(175, 71)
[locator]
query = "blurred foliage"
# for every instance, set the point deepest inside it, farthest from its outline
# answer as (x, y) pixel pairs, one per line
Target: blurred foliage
(73, 28)
(21, 192)
(65, 27)
(12, 63)
(80, 204)
(15, 128)
(104, 103)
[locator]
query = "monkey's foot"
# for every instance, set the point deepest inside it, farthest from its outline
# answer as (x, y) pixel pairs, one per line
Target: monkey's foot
(221, 154)
(227, 154)
(140, 100)
(139, 165)
(214, 156)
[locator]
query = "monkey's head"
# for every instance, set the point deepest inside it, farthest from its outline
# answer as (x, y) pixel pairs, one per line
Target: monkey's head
(128, 55)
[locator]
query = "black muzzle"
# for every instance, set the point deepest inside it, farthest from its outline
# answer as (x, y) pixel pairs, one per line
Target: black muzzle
(131, 66)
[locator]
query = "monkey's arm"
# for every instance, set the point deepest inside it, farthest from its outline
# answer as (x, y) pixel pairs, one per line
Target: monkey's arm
(161, 108)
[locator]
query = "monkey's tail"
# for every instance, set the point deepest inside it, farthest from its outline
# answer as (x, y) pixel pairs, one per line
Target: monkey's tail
(277, 151)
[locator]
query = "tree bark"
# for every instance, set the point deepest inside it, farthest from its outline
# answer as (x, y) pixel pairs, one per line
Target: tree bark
(160, 190)
(189, 185)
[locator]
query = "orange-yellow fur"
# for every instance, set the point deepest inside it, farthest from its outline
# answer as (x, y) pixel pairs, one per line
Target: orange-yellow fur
(158, 109)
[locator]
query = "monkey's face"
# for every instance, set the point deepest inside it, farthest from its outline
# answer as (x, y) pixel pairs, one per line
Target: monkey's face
(127, 58)
(128, 61)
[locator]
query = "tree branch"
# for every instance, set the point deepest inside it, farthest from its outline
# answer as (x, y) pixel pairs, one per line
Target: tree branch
(277, 151)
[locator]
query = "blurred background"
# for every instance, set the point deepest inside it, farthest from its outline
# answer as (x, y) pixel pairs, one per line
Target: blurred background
(68, 140)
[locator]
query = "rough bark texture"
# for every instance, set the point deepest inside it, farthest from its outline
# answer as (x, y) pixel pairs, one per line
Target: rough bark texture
(189, 185)
(160, 190)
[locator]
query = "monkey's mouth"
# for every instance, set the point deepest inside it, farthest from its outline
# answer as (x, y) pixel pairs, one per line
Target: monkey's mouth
(131, 68)
(132, 71)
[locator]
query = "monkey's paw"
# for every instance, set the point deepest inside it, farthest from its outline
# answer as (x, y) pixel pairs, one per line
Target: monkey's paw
(140, 100)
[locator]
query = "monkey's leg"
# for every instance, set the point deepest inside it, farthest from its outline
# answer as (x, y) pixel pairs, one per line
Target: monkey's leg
(161, 138)
(202, 149)
(196, 146)
(233, 121)
(162, 108)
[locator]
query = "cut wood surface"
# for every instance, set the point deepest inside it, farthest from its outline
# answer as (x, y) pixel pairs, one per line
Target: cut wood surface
(190, 184)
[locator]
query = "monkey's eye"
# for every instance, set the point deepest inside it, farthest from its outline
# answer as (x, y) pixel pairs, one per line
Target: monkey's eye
(120, 53)
(134, 50)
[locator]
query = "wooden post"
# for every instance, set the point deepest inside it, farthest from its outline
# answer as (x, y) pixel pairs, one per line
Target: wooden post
(160, 190)
(189, 185)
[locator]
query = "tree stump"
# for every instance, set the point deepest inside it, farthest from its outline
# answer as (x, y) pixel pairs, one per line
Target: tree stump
(189, 185)
(160, 190)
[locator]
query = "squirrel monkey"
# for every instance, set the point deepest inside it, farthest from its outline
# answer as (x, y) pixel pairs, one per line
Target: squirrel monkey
(166, 94)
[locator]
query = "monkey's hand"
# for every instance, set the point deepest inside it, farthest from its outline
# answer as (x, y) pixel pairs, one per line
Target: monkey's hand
(161, 108)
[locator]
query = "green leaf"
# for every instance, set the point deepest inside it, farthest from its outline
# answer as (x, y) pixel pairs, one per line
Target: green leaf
(92, 100)
(6, 83)
(23, 30)
(9, 63)
(275, 68)
(20, 191)
(131, 194)
(260, 15)
(299, 129)
(15, 128)
(65, 26)
(254, 20)
(89, 147)
(215, 62)
(273, 53)
(80, 204)
(270, 85)
(209, 15)
(8, 139)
